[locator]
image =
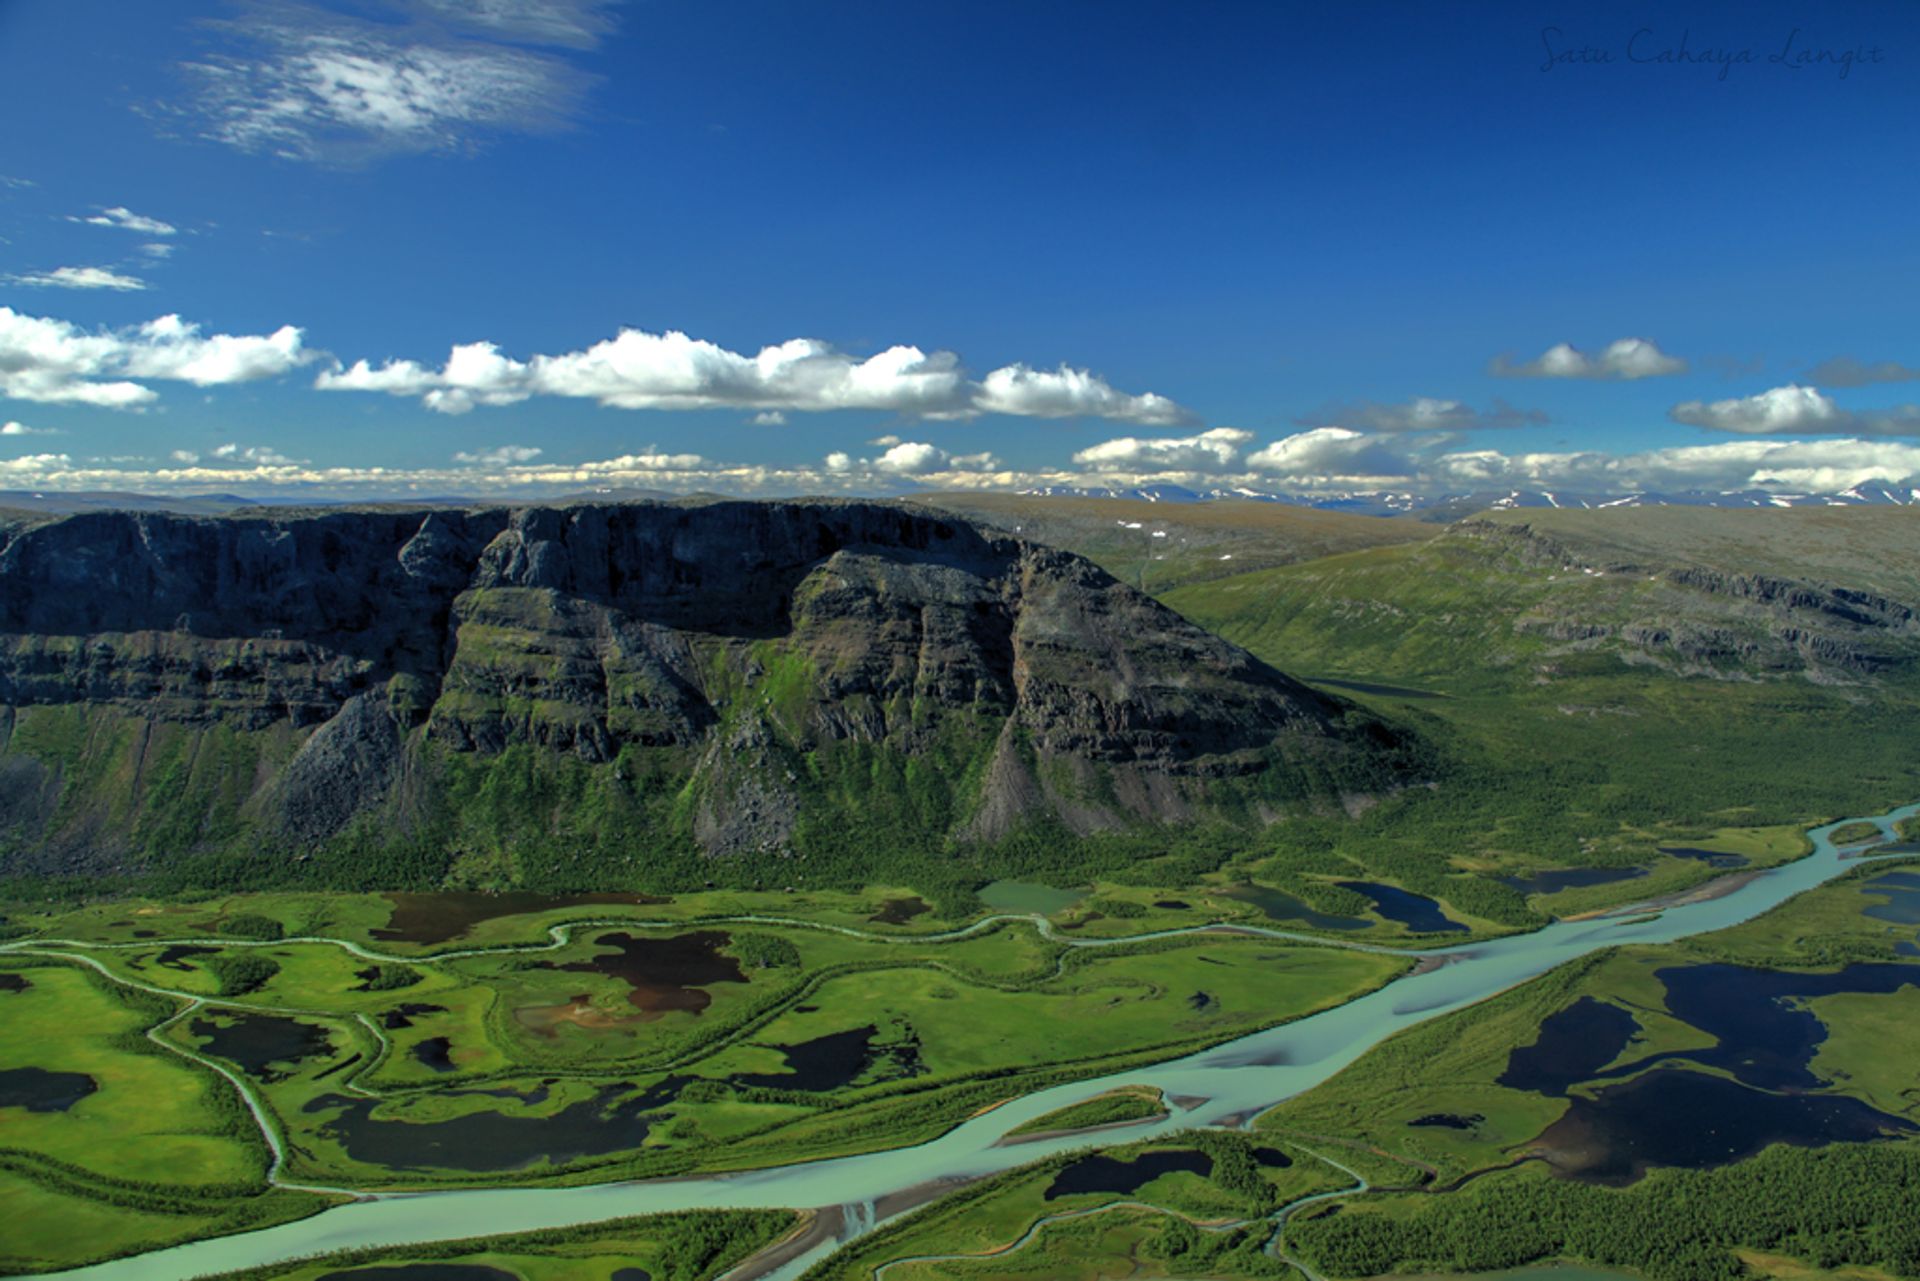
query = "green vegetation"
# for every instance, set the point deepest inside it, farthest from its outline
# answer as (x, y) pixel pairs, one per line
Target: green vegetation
(252, 925)
(1855, 833)
(692, 1246)
(1114, 1108)
(238, 973)
(1843, 1206)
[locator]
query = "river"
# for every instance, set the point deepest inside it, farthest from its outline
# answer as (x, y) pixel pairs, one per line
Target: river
(1231, 1082)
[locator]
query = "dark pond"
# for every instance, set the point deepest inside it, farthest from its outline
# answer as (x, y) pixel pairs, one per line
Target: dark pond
(179, 955)
(1449, 1120)
(403, 1015)
(146, 934)
(1672, 1116)
(835, 1061)
(1272, 1158)
(1571, 878)
(1902, 892)
(435, 1053)
(1573, 1045)
(1712, 858)
(1764, 1040)
(1171, 904)
(436, 918)
(254, 1041)
(631, 1274)
(1415, 911)
(14, 983)
(1281, 906)
(423, 1272)
(38, 1090)
(663, 974)
(1124, 1178)
(898, 911)
(485, 1141)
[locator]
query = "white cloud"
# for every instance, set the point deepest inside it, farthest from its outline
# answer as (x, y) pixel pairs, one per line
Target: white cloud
(1792, 409)
(157, 250)
(57, 362)
(80, 278)
(259, 455)
(1335, 456)
(641, 370)
(769, 418)
(912, 458)
(1424, 413)
(839, 461)
(501, 455)
(127, 220)
(881, 442)
(184, 456)
(1624, 358)
(21, 429)
(1071, 393)
(313, 84)
(1213, 450)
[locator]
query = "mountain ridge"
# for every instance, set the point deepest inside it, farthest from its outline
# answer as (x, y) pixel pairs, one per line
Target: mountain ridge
(735, 676)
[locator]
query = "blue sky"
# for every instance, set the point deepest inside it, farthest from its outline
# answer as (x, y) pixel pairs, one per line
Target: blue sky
(865, 247)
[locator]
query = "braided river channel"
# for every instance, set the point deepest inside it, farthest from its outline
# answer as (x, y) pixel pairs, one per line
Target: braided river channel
(1226, 1085)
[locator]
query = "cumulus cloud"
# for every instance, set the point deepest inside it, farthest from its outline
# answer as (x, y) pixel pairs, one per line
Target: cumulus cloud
(1624, 358)
(1070, 393)
(21, 429)
(184, 456)
(1845, 371)
(259, 455)
(641, 370)
(501, 455)
(80, 278)
(303, 82)
(1424, 413)
(769, 418)
(127, 220)
(1782, 411)
(1207, 451)
(56, 362)
(839, 461)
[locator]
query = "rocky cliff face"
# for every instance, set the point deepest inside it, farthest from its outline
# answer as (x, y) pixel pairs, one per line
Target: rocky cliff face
(733, 669)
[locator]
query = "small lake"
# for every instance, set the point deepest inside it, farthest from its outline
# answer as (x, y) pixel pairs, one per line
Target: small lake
(1678, 1117)
(38, 1090)
(1278, 905)
(443, 917)
(663, 974)
(1028, 897)
(1572, 1046)
(492, 1141)
(898, 911)
(835, 1061)
(254, 1042)
(1415, 911)
(1124, 1178)
(1902, 893)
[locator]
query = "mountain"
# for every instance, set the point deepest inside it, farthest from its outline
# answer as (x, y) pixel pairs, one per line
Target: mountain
(1827, 595)
(525, 694)
(1159, 545)
(1447, 507)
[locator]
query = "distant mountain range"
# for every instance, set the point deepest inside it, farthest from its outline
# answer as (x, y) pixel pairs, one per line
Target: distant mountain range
(1447, 507)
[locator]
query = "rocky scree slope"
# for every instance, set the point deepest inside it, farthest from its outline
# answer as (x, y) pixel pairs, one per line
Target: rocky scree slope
(728, 676)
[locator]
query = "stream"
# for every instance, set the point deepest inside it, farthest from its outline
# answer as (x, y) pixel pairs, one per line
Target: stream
(1225, 1085)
